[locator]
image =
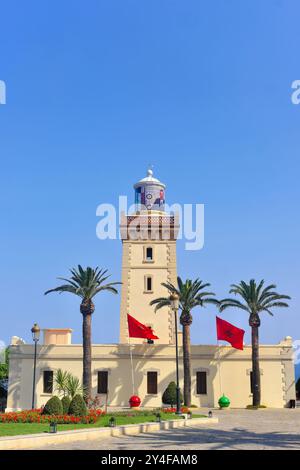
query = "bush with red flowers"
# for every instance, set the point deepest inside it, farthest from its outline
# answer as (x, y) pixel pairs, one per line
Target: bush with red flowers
(36, 416)
(184, 409)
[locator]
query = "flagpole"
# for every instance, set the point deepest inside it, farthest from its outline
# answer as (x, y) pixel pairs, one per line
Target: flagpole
(137, 330)
(233, 335)
(131, 362)
(219, 367)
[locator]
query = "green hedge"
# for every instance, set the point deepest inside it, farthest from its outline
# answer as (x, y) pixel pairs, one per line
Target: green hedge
(53, 407)
(78, 406)
(65, 401)
(169, 395)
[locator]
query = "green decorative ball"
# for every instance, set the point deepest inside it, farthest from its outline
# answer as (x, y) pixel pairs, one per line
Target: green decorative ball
(224, 402)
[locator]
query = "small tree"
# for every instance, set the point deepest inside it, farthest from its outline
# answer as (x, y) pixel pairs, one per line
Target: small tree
(67, 384)
(65, 401)
(78, 406)
(4, 366)
(3, 379)
(169, 395)
(73, 386)
(53, 407)
(298, 388)
(61, 380)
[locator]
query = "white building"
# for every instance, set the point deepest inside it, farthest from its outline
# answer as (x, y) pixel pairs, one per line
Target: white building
(147, 262)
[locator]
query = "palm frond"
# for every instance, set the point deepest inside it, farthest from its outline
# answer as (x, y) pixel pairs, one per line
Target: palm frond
(63, 288)
(277, 304)
(160, 303)
(73, 386)
(107, 287)
(60, 381)
(86, 283)
(191, 294)
(226, 303)
(256, 298)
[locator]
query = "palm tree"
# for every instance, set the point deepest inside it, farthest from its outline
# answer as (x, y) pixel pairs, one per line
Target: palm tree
(74, 386)
(191, 295)
(256, 300)
(67, 384)
(60, 381)
(86, 283)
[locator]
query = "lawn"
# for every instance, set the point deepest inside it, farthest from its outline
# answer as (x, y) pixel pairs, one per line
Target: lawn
(15, 429)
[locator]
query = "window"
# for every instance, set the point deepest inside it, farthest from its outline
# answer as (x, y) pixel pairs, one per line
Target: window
(149, 253)
(148, 283)
(47, 381)
(201, 379)
(152, 383)
(103, 381)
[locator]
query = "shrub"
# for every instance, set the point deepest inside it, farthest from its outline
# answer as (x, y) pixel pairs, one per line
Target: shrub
(183, 409)
(60, 381)
(34, 416)
(53, 407)
(298, 387)
(169, 395)
(74, 386)
(93, 403)
(65, 401)
(78, 406)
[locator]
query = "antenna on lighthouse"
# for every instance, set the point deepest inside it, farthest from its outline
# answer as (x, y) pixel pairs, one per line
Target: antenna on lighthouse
(150, 170)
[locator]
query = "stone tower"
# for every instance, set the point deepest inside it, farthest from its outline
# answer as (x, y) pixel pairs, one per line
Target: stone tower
(149, 258)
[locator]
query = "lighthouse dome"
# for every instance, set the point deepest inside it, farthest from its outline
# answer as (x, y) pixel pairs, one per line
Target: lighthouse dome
(149, 179)
(150, 193)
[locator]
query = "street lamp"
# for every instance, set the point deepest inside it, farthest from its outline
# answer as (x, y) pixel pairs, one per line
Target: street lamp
(174, 300)
(35, 330)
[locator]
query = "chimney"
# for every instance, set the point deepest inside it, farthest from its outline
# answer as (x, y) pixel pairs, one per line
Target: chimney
(58, 336)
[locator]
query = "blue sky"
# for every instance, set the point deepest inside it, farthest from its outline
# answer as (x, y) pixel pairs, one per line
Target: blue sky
(95, 91)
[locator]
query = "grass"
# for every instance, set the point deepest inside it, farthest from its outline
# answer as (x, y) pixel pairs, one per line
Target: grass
(17, 429)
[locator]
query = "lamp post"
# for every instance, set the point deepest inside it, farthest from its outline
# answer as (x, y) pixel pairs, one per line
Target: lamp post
(174, 300)
(35, 330)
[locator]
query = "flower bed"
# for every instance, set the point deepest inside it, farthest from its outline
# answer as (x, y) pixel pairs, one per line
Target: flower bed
(36, 416)
(184, 409)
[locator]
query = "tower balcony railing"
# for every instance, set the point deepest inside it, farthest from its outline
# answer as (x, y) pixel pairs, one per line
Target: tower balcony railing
(149, 226)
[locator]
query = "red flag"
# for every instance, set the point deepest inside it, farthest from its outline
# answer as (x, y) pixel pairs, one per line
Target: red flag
(138, 330)
(228, 332)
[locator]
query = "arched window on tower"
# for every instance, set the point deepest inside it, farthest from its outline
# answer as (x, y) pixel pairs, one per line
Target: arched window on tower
(148, 254)
(148, 284)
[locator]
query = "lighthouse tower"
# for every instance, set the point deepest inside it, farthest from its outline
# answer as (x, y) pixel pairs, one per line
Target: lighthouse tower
(149, 258)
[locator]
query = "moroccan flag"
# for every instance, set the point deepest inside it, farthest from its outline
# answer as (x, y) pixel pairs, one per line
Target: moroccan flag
(228, 332)
(138, 330)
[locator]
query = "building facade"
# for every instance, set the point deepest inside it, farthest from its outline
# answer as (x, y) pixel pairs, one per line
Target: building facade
(154, 368)
(149, 258)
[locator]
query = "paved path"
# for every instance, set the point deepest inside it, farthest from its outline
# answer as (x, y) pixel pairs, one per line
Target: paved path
(237, 429)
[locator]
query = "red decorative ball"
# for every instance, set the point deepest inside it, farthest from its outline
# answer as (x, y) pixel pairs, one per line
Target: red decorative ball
(134, 401)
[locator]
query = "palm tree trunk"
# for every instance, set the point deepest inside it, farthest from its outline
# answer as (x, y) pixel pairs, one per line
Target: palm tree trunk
(186, 340)
(255, 366)
(87, 354)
